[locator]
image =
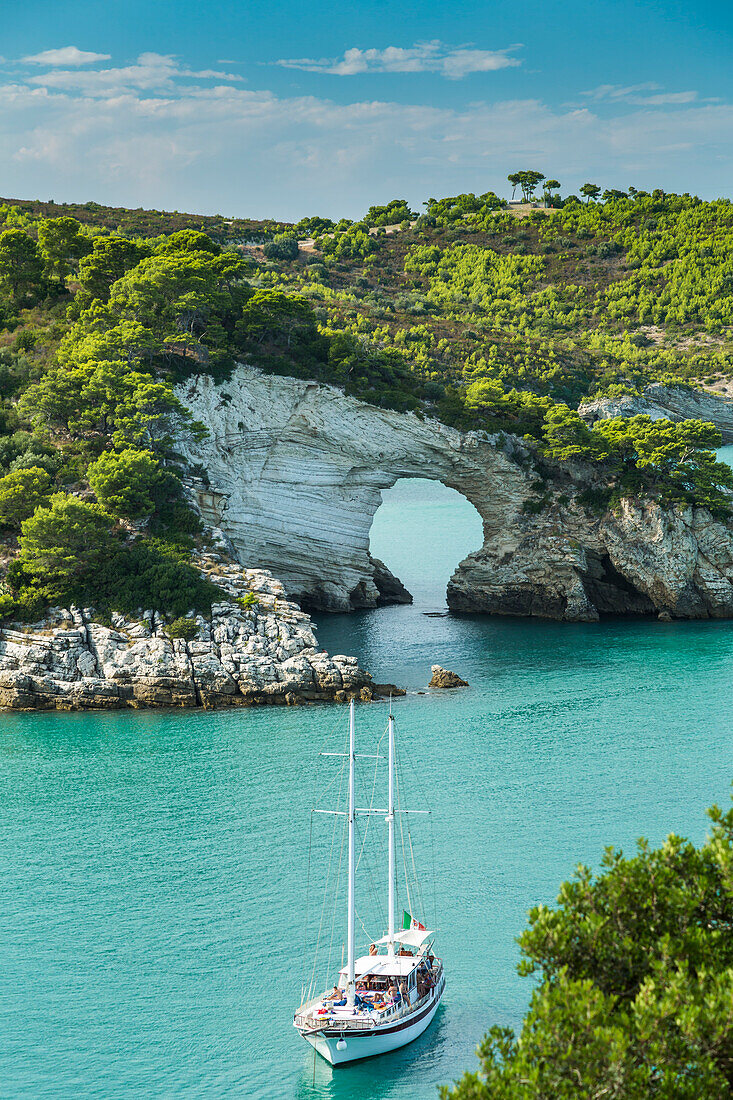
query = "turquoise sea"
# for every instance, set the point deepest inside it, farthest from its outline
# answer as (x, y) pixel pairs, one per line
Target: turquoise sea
(153, 866)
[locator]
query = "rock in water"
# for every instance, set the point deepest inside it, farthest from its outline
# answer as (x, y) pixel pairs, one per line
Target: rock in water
(442, 678)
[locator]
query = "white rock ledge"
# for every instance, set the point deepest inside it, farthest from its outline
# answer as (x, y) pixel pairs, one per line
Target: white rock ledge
(264, 654)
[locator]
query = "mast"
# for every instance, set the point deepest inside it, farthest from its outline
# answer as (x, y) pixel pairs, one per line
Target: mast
(351, 964)
(390, 841)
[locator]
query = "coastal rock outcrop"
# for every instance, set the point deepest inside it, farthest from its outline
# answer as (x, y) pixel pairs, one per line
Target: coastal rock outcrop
(292, 471)
(666, 403)
(444, 678)
(262, 653)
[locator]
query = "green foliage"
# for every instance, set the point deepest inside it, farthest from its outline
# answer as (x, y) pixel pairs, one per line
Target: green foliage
(354, 243)
(498, 410)
(469, 210)
(283, 246)
(636, 973)
(312, 227)
(63, 544)
(62, 245)
(186, 240)
(21, 492)
(125, 481)
(674, 461)
(249, 600)
(105, 399)
(393, 213)
(183, 628)
(527, 181)
(150, 573)
(590, 191)
(109, 260)
(21, 267)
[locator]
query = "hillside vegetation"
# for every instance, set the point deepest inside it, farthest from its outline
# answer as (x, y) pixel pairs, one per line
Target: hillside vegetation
(466, 313)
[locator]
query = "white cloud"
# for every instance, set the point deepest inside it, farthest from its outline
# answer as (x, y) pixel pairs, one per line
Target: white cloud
(638, 95)
(66, 55)
(451, 62)
(156, 135)
(152, 72)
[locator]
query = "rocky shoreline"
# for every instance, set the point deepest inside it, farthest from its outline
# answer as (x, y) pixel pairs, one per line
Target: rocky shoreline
(266, 653)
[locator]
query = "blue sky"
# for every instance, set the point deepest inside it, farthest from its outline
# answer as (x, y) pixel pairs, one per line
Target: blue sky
(283, 109)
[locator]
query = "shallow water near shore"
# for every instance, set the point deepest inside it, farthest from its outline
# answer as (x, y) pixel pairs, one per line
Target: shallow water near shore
(153, 865)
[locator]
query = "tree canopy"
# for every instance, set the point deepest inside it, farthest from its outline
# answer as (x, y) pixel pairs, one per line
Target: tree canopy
(635, 993)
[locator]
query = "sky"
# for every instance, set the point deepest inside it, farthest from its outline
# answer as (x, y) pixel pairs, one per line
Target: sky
(282, 109)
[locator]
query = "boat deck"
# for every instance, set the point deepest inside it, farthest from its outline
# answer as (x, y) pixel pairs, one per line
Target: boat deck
(321, 1015)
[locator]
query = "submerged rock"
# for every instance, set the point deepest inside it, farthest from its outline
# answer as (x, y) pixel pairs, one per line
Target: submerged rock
(442, 678)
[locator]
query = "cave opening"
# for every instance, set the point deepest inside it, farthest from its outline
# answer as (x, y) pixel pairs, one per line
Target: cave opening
(422, 531)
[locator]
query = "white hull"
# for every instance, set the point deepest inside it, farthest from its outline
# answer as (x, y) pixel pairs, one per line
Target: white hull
(378, 1040)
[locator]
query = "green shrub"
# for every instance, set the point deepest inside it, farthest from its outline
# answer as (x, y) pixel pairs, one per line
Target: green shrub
(151, 574)
(182, 628)
(283, 246)
(21, 492)
(66, 543)
(125, 481)
(251, 599)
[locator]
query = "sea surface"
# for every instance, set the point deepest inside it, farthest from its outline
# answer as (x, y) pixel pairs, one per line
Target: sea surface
(161, 872)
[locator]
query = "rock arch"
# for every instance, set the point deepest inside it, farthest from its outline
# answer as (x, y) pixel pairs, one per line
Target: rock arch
(294, 473)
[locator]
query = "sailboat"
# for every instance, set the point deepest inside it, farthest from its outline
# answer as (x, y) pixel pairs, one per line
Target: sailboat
(385, 999)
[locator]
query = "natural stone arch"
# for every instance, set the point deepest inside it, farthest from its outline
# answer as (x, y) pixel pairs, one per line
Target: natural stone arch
(405, 541)
(294, 474)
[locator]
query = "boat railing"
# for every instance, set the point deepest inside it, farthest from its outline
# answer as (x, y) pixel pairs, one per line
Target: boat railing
(362, 1022)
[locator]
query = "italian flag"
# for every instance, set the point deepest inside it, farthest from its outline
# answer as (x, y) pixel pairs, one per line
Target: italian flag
(408, 921)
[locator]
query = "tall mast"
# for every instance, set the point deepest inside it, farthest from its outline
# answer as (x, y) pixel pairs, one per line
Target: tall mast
(390, 841)
(350, 988)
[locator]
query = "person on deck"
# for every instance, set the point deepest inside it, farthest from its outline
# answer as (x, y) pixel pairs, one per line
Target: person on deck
(372, 949)
(404, 993)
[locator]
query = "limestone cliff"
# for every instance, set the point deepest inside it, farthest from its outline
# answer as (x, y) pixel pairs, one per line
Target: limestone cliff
(666, 402)
(294, 472)
(266, 653)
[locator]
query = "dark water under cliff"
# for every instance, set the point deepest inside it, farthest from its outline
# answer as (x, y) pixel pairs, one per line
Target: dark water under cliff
(153, 866)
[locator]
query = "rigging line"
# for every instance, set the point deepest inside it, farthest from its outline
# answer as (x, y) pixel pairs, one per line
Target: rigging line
(344, 831)
(323, 910)
(432, 860)
(307, 898)
(426, 803)
(416, 878)
(371, 802)
(375, 894)
(325, 891)
(375, 900)
(308, 882)
(402, 835)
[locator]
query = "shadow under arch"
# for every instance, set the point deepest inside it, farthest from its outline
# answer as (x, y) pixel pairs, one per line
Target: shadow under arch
(421, 532)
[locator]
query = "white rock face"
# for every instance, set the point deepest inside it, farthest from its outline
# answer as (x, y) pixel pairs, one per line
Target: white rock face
(295, 474)
(666, 403)
(266, 653)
